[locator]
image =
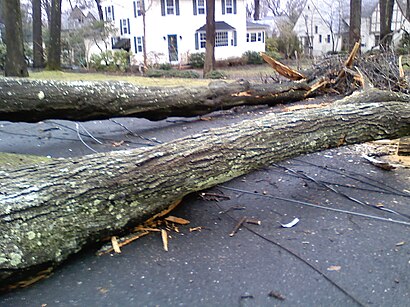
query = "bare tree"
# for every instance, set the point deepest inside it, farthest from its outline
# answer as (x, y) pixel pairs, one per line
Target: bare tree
(209, 64)
(54, 48)
(386, 15)
(38, 53)
(355, 22)
(15, 62)
(293, 9)
(274, 7)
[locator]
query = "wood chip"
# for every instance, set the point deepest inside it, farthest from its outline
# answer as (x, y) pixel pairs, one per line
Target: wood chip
(164, 236)
(115, 245)
(177, 220)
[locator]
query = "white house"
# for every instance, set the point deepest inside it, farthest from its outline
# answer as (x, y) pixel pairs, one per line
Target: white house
(323, 25)
(174, 29)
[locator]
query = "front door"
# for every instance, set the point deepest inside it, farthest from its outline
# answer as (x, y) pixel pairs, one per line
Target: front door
(173, 48)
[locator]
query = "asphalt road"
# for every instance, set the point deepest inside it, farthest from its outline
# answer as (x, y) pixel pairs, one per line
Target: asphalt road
(328, 259)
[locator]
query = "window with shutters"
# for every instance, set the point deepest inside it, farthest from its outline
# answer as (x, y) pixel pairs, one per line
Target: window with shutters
(201, 7)
(124, 26)
(170, 7)
(229, 6)
(109, 13)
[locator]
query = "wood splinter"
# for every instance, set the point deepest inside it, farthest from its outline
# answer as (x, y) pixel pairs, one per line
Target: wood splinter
(237, 226)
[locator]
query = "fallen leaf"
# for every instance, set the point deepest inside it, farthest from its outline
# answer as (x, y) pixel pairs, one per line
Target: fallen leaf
(291, 224)
(334, 268)
(178, 220)
(400, 243)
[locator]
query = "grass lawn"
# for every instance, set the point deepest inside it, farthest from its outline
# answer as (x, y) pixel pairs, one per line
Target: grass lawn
(72, 76)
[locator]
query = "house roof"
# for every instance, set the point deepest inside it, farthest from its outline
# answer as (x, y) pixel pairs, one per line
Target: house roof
(254, 25)
(219, 26)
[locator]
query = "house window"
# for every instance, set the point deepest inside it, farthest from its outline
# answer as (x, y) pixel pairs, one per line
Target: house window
(253, 37)
(137, 8)
(109, 13)
(199, 7)
(139, 44)
(229, 6)
(328, 38)
(247, 37)
(170, 7)
(320, 38)
(316, 29)
(221, 39)
(125, 26)
(202, 40)
(259, 36)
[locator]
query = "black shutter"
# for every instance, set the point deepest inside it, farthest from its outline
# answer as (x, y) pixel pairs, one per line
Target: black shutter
(196, 41)
(106, 14)
(135, 9)
(121, 26)
(112, 10)
(235, 43)
(177, 7)
(135, 44)
(163, 7)
(195, 7)
(129, 29)
(223, 7)
(234, 6)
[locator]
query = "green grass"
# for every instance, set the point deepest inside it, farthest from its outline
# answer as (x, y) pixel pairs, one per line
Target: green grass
(71, 76)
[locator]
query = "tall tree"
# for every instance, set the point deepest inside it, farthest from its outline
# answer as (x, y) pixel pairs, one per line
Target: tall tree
(99, 8)
(355, 22)
(386, 16)
(209, 64)
(54, 47)
(15, 62)
(257, 10)
(38, 54)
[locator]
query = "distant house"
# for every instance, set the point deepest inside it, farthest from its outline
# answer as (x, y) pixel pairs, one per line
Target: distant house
(77, 18)
(174, 29)
(323, 26)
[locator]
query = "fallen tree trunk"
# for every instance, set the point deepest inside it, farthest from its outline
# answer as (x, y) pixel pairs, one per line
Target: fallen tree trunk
(35, 100)
(51, 210)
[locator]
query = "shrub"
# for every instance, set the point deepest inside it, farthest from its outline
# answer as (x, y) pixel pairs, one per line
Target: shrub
(165, 66)
(197, 60)
(172, 73)
(110, 61)
(253, 57)
(274, 54)
(404, 44)
(216, 74)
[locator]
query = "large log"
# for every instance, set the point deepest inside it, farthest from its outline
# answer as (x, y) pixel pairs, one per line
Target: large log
(35, 100)
(52, 209)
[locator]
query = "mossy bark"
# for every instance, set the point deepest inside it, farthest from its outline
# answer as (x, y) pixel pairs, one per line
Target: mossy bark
(35, 100)
(52, 209)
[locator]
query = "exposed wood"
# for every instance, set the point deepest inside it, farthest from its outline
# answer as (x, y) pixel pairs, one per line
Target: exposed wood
(403, 148)
(35, 100)
(52, 209)
(282, 69)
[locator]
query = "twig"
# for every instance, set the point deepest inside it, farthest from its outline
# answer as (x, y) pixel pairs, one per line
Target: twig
(237, 226)
(135, 134)
(81, 139)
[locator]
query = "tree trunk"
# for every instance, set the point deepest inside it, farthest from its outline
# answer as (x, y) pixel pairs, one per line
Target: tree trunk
(35, 100)
(209, 64)
(355, 22)
(54, 48)
(15, 61)
(51, 210)
(256, 13)
(100, 11)
(38, 54)
(386, 15)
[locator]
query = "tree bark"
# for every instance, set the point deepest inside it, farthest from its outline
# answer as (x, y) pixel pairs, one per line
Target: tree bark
(38, 54)
(386, 15)
(34, 100)
(54, 48)
(100, 11)
(355, 22)
(209, 64)
(51, 210)
(15, 61)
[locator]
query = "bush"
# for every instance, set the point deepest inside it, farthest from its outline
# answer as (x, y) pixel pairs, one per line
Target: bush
(110, 60)
(165, 66)
(253, 57)
(172, 73)
(216, 74)
(274, 54)
(197, 60)
(404, 45)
